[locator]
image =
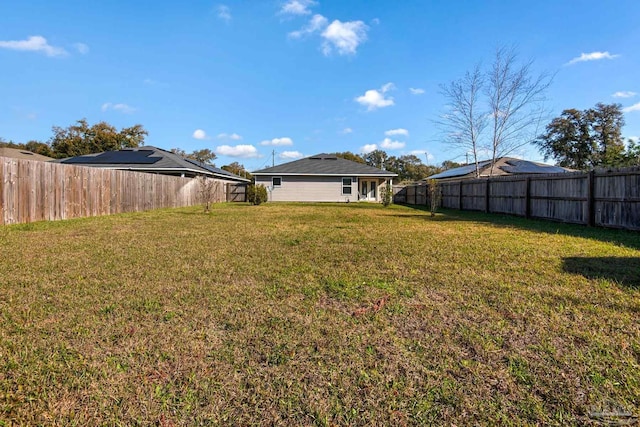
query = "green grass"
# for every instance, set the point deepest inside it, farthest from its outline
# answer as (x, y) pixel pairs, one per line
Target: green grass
(294, 314)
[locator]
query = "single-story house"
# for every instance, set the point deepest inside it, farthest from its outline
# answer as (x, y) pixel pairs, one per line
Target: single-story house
(17, 153)
(323, 178)
(503, 166)
(152, 160)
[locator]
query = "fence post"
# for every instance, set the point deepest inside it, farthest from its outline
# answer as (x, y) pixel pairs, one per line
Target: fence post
(487, 199)
(591, 208)
(460, 195)
(527, 198)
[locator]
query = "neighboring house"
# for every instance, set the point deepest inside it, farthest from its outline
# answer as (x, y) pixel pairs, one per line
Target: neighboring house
(323, 178)
(152, 160)
(503, 166)
(16, 153)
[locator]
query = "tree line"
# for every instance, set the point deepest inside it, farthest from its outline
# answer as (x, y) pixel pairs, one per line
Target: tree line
(409, 167)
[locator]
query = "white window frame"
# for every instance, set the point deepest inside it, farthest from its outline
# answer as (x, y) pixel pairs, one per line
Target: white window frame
(343, 186)
(273, 185)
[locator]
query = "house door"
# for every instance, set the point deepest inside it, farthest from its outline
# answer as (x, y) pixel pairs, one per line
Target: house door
(368, 190)
(373, 187)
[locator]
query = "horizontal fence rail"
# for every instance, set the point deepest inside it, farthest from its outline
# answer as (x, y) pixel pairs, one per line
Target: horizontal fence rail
(605, 198)
(36, 191)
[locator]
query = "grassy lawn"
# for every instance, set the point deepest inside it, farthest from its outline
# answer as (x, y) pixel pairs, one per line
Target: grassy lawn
(296, 314)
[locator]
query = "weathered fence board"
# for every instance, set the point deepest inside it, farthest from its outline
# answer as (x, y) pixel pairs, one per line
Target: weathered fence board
(606, 198)
(35, 191)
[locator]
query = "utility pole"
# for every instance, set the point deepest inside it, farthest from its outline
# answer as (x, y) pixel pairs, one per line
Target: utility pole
(273, 158)
(467, 155)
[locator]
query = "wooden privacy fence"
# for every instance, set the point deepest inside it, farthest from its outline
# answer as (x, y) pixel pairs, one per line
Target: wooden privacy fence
(35, 191)
(605, 198)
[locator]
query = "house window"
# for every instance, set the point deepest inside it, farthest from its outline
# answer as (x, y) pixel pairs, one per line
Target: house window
(276, 181)
(346, 185)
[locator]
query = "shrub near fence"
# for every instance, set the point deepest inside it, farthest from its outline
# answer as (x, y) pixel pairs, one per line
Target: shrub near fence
(605, 198)
(35, 191)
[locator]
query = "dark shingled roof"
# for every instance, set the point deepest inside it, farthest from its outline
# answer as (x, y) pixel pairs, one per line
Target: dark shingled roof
(503, 166)
(324, 164)
(150, 159)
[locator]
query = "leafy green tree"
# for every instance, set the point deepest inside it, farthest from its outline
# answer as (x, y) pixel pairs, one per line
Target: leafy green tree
(39, 147)
(449, 164)
(204, 156)
(409, 168)
(80, 138)
(585, 139)
(376, 158)
(238, 169)
(632, 153)
(349, 156)
(607, 123)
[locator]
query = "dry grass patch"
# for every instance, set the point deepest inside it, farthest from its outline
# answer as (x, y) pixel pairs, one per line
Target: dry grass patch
(316, 315)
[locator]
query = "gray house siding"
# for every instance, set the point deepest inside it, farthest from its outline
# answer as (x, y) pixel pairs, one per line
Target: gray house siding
(316, 188)
(308, 189)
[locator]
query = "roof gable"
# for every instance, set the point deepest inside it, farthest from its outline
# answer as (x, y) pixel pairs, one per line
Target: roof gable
(18, 153)
(148, 158)
(502, 166)
(323, 164)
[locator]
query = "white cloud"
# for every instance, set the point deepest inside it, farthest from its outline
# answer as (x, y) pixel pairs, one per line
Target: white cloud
(285, 155)
(345, 37)
(199, 134)
(82, 48)
(634, 107)
(399, 131)
(297, 7)
(347, 131)
(367, 148)
(375, 21)
(243, 150)
(593, 56)
(233, 136)
(34, 44)
(391, 145)
(416, 91)
(624, 94)
(373, 98)
(123, 108)
(276, 142)
(224, 12)
(317, 23)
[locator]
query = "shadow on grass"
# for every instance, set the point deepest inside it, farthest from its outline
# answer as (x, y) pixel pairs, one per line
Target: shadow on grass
(622, 270)
(627, 238)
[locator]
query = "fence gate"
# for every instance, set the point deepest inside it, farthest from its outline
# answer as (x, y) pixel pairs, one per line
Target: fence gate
(236, 192)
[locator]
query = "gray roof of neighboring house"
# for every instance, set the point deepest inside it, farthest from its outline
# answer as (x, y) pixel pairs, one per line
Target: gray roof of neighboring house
(503, 166)
(150, 159)
(17, 153)
(324, 164)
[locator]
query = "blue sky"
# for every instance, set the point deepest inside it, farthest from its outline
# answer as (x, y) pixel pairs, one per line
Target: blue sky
(299, 77)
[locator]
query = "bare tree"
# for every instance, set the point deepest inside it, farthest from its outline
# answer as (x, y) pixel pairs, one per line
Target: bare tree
(507, 99)
(464, 123)
(516, 103)
(208, 189)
